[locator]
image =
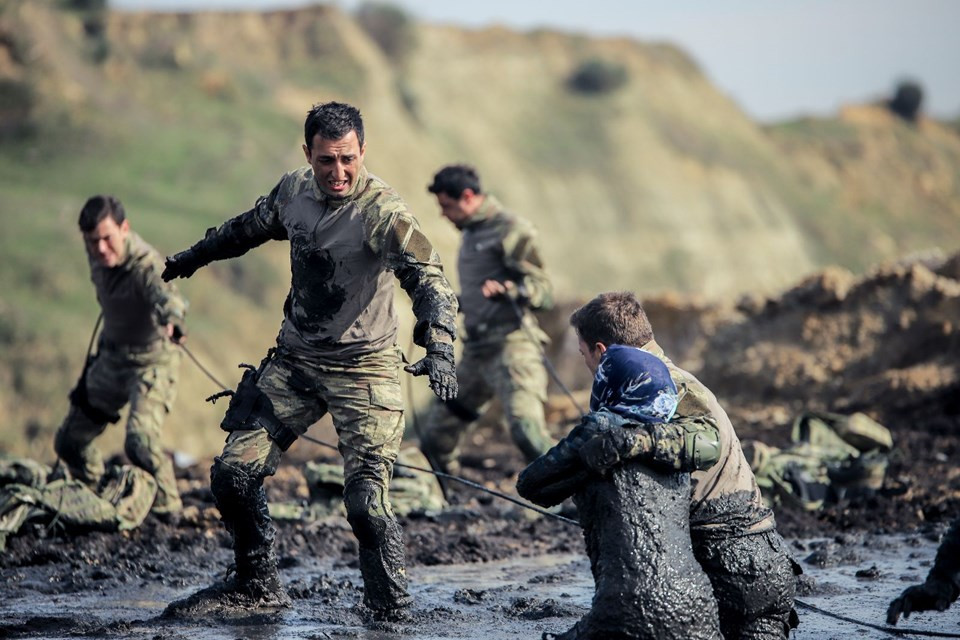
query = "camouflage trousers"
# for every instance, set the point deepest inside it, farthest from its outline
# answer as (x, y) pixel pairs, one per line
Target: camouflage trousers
(512, 371)
(364, 399)
(146, 379)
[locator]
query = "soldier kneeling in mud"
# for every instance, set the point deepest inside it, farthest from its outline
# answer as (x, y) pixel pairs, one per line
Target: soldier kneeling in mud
(734, 535)
(635, 517)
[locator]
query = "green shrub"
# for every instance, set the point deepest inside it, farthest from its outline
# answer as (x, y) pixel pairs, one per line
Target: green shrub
(17, 100)
(596, 76)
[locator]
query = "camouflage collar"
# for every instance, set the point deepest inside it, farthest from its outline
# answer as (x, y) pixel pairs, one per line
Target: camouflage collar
(488, 208)
(336, 201)
(654, 348)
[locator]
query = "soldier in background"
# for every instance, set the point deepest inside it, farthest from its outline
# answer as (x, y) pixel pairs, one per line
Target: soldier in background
(136, 362)
(501, 280)
(336, 353)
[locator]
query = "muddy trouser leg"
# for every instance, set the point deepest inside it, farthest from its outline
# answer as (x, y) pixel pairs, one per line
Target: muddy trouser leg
(367, 409)
(236, 480)
(249, 456)
(521, 383)
(754, 582)
(151, 402)
(447, 423)
(105, 387)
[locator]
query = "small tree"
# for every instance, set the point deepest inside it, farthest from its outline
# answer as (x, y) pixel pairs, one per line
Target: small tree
(596, 76)
(906, 101)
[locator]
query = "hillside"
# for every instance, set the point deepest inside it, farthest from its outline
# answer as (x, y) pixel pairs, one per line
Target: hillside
(661, 184)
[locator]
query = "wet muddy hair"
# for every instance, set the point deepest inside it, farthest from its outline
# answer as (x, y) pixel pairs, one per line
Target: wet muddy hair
(96, 209)
(332, 120)
(453, 179)
(613, 318)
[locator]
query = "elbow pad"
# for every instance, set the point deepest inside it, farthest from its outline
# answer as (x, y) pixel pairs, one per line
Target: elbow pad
(701, 447)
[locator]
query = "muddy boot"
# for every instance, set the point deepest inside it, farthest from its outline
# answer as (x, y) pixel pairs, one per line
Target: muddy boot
(381, 549)
(255, 582)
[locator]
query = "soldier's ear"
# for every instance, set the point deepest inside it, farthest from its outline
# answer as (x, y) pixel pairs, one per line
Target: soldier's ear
(600, 348)
(306, 151)
(125, 226)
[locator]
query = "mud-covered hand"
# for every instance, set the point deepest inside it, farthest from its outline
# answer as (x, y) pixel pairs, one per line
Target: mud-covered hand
(438, 364)
(182, 265)
(933, 594)
(602, 450)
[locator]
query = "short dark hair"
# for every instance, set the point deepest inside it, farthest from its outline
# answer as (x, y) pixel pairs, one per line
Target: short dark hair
(97, 208)
(613, 318)
(453, 179)
(332, 120)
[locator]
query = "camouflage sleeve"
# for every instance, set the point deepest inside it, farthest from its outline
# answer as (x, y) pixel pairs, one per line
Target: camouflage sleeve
(168, 304)
(521, 254)
(946, 567)
(683, 444)
(396, 236)
(250, 229)
(558, 473)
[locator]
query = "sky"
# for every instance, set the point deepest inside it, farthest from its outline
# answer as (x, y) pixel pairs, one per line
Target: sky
(778, 59)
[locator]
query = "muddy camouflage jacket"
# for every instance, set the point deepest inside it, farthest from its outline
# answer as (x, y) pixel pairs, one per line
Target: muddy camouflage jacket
(947, 565)
(499, 246)
(136, 302)
(726, 499)
(342, 249)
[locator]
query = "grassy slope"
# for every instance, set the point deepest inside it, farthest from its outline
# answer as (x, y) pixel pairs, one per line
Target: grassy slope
(662, 185)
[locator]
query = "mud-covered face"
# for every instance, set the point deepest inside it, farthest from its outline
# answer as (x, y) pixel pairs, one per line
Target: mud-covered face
(335, 163)
(106, 243)
(591, 357)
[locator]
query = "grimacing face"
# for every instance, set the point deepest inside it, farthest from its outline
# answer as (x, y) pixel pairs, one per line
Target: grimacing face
(335, 163)
(106, 243)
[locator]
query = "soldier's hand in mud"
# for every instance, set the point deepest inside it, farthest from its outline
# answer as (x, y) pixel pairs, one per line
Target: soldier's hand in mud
(495, 289)
(181, 265)
(932, 595)
(438, 364)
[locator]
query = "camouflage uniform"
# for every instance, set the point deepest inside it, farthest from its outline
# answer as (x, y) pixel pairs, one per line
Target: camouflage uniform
(500, 358)
(942, 585)
(135, 363)
(734, 535)
(336, 353)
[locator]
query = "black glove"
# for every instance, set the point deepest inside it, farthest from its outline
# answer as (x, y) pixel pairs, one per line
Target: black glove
(932, 594)
(179, 334)
(182, 265)
(439, 366)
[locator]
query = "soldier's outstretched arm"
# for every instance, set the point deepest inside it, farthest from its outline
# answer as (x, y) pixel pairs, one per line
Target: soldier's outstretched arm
(168, 304)
(942, 585)
(558, 473)
(416, 264)
(234, 237)
(684, 444)
(521, 255)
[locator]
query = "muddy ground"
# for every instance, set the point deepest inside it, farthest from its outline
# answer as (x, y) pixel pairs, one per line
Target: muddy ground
(887, 344)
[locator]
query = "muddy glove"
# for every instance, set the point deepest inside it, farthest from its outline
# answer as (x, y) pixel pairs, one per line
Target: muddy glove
(183, 264)
(607, 448)
(934, 594)
(439, 366)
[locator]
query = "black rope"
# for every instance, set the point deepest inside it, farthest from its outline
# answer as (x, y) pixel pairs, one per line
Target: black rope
(894, 631)
(202, 368)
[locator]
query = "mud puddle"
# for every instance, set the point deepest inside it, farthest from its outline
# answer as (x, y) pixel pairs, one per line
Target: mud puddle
(852, 575)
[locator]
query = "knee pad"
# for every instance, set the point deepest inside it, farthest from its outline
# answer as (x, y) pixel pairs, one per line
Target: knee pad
(81, 401)
(232, 487)
(367, 511)
(464, 413)
(137, 448)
